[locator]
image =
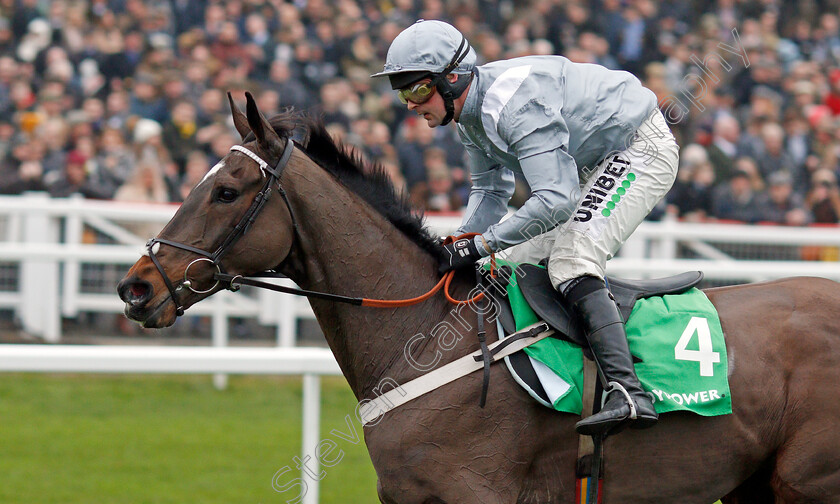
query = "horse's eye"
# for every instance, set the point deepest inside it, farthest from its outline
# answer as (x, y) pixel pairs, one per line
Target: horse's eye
(226, 195)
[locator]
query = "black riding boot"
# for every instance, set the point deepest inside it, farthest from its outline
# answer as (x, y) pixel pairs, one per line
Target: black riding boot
(604, 329)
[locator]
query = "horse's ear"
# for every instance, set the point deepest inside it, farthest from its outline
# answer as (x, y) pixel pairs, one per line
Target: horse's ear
(239, 119)
(267, 138)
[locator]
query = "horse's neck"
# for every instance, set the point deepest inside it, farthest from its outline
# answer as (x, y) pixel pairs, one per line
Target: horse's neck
(346, 247)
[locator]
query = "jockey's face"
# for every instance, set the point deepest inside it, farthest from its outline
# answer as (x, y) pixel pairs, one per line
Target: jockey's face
(433, 109)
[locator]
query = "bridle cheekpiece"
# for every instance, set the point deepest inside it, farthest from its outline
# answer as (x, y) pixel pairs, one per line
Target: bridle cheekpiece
(272, 176)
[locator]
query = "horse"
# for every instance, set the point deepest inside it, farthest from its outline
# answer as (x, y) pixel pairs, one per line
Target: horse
(341, 228)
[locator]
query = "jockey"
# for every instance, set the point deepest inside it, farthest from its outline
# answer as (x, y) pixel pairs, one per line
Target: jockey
(596, 152)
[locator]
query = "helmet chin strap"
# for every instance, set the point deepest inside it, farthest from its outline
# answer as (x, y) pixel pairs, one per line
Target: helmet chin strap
(451, 91)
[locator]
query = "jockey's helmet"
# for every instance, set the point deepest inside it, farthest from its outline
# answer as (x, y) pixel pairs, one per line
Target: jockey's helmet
(431, 49)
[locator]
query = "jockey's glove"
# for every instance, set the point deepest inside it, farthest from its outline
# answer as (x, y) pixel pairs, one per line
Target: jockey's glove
(459, 254)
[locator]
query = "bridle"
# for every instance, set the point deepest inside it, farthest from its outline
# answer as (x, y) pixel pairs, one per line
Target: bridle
(234, 282)
(215, 257)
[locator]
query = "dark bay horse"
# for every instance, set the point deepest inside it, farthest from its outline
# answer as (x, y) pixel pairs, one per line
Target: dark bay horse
(335, 229)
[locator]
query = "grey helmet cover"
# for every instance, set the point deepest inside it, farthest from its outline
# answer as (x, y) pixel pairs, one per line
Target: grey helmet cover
(430, 49)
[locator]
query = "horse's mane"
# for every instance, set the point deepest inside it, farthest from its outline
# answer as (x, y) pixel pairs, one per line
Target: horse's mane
(372, 185)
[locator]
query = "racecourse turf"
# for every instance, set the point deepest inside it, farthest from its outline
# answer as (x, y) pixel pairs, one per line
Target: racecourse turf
(134, 439)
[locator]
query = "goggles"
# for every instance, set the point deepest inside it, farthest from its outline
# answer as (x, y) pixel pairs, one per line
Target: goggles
(417, 94)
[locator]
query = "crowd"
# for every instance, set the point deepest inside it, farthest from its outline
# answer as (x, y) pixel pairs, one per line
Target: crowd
(124, 99)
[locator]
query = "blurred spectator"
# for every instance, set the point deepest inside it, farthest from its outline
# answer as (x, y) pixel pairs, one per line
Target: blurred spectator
(736, 200)
(392, 169)
(780, 204)
(22, 177)
(291, 90)
(53, 133)
(436, 193)
(114, 157)
(147, 136)
(310, 64)
(797, 139)
(128, 81)
(7, 38)
(832, 98)
(75, 179)
(338, 103)
(823, 200)
(220, 146)
(376, 140)
(146, 185)
(633, 35)
(94, 111)
(230, 52)
(724, 147)
(146, 100)
(22, 169)
(774, 158)
(7, 135)
(187, 14)
(194, 172)
(269, 101)
(415, 138)
(691, 195)
(36, 38)
(117, 110)
(8, 71)
(747, 165)
(179, 133)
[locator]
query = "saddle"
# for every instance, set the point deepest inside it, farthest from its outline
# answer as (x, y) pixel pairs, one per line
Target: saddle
(550, 307)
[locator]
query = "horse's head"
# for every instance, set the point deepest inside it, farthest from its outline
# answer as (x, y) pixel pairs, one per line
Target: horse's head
(228, 224)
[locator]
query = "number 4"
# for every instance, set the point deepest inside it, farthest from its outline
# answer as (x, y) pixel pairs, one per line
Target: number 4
(705, 356)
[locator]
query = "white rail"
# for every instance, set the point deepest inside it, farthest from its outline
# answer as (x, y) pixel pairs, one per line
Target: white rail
(312, 363)
(166, 359)
(44, 237)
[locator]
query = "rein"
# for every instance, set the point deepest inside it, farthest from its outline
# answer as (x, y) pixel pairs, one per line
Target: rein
(234, 282)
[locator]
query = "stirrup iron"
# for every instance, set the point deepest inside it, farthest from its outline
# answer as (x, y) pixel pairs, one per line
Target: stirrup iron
(615, 386)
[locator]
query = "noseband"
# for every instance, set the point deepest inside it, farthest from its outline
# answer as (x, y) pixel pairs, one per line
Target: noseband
(214, 258)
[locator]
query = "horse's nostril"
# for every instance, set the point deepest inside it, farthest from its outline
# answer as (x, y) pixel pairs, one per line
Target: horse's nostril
(135, 292)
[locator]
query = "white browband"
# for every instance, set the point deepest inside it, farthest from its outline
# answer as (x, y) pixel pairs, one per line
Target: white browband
(243, 150)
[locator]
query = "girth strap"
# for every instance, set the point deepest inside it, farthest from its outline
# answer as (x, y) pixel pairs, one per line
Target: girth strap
(482, 341)
(372, 410)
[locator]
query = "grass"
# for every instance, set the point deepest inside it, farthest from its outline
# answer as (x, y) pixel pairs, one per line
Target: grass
(131, 439)
(167, 439)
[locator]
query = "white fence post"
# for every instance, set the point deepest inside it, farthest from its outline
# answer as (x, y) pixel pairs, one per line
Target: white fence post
(665, 247)
(39, 308)
(73, 230)
(279, 309)
(220, 328)
(311, 430)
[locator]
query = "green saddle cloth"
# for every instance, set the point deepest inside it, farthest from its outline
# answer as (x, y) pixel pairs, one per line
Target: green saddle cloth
(678, 339)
